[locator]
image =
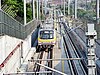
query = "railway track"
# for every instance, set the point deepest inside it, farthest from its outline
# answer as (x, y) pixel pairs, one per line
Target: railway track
(98, 67)
(43, 55)
(70, 70)
(76, 66)
(98, 45)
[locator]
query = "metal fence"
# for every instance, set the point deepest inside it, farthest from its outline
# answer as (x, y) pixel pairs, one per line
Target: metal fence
(9, 26)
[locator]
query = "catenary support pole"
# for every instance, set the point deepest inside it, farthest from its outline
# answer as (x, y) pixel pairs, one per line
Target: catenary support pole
(64, 7)
(42, 10)
(0, 4)
(33, 5)
(45, 3)
(37, 9)
(97, 11)
(68, 7)
(24, 12)
(75, 9)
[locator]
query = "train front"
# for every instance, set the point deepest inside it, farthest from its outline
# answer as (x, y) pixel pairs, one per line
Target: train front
(46, 38)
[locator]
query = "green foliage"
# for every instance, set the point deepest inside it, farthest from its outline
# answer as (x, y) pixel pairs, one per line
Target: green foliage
(20, 8)
(17, 6)
(88, 15)
(29, 13)
(10, 2)
(81, 12)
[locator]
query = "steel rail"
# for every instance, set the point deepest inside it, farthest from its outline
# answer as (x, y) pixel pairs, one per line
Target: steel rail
(78, 57)
(75, 55)
(44, 56)
(36, 68)
(69, 62)
(79, 53)
(73, 46)
(49, 63)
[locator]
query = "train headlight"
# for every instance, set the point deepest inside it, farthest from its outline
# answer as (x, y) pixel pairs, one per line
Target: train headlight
(39, 42)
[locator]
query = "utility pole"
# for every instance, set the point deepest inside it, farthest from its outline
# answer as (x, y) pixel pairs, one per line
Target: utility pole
(64, 7)
(42, 10)
(37, 9)
(91, 36)
(86, 6)
(75, 9)
(24, 12)
(33, 4)
(45, 6)
(97, 11)
(68, 7)
(0, 4)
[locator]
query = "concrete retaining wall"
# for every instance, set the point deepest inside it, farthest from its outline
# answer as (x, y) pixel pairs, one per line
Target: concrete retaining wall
(7, 45)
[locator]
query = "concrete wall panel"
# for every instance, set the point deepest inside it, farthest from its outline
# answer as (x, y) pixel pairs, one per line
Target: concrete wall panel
(7, 44)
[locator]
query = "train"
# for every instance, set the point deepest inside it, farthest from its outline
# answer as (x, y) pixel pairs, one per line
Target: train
(46, 35)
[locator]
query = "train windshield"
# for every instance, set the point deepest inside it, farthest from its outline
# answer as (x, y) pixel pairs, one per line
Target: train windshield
(47, 34)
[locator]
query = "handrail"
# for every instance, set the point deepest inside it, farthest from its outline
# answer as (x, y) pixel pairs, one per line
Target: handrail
(10, 55)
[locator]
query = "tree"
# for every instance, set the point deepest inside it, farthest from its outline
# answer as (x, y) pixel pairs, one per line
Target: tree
(17, 6)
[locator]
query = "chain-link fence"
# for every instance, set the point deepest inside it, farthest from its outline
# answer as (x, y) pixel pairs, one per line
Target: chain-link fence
(11, 27)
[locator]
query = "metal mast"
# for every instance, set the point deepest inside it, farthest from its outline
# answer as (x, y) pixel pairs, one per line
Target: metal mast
(97, 3)
(64, 7)
(45, 2)
(33, 4)
(37, 9)
(91, 36)
(75, 9)
(68, 7)
(0, 4)
(42, 9)
(86, 5)
(24, 12)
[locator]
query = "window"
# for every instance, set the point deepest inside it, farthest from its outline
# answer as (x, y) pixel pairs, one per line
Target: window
(47, 34)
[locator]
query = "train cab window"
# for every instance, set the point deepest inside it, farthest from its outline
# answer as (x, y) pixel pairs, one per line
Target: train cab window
(47, 34)
(51, 36)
